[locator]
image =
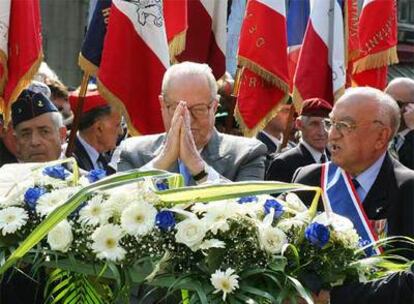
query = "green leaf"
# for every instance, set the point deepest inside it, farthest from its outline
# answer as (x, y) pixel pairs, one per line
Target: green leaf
(301, 290)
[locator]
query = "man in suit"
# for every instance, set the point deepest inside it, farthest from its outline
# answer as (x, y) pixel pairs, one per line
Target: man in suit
(99, 129)
(361, 124)
(191, 145)
(312, 146)
(402, 90)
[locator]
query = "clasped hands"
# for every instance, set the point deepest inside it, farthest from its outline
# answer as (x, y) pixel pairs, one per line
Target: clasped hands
(180, 144)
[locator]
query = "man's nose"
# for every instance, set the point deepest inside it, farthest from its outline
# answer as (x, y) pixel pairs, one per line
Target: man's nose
(35, 139)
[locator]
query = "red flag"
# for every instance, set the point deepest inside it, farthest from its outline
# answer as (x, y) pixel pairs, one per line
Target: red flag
(263, 54)
(20, 48)
(351, 36)
(321, 67)
(206, 35)
(134, 59)
(176, 24)
(377, 42)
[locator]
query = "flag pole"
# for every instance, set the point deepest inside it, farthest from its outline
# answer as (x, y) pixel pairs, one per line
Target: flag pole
(78, 113)
(288, 129)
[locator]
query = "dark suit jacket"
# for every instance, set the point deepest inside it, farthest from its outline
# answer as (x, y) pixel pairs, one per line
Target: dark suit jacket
(271, 146)
(406, 152)
(81, 156)
(397, 288)
(6, 157)
(391, 196)
(283, 166)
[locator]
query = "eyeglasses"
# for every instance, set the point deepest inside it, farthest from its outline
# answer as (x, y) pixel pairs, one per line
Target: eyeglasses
(197, 111)
(345, 127)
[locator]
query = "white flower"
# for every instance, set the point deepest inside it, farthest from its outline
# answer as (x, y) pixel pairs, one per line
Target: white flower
(105, 243)
(349, 238)
(216, 218)
(213, 243)
(95, 212)
(12, 219)
(293, 202)
(50, 201)
(118, 201)
(299, 221)
(191, 233)
(138, 219)
(60, 237)
(225, 282)
(271, 239)
(338, 222)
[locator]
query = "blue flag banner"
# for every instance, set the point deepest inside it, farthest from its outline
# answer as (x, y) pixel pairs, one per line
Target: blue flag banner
(91, 51)
(343, 199)
(297, 20)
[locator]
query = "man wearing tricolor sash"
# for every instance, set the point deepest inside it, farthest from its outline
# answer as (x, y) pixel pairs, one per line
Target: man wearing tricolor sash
(363, 182)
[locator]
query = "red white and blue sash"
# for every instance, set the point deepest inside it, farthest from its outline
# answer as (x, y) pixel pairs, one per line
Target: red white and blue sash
(342, 198)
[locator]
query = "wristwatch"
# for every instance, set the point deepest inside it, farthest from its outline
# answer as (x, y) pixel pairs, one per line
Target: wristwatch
(199, 176)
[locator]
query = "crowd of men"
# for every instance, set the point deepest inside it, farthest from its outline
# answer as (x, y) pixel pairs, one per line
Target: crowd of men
(368, 134)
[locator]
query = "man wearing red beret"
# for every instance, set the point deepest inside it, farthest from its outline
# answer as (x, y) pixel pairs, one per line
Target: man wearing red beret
(99, 129)
(312, 146)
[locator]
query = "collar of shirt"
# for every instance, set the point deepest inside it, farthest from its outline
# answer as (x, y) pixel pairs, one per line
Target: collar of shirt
(367, 178)
(315, 153)
(275, 140)
(404, 132)
(92, 153)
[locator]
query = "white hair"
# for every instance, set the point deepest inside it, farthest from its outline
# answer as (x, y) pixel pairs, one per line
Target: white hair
(57, 119)
(188, 68)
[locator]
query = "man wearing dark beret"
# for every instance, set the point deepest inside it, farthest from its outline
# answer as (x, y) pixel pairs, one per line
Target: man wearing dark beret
(38, 128)
(99, 130)
(39, 133)
(312, 146)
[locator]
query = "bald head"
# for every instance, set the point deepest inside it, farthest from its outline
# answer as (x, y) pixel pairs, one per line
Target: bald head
(401, 89)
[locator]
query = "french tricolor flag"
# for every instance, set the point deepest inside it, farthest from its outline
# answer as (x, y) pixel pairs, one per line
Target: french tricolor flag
(134, 59)
(321, 66)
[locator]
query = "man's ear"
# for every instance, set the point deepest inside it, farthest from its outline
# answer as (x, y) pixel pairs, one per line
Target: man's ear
(384, 137)
(215, 105)
(62, 134)
(298, 124)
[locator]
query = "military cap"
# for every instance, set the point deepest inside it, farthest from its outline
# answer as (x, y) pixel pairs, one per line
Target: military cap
(316, 107)
(29, 105)
(40, 87)
(93, 100)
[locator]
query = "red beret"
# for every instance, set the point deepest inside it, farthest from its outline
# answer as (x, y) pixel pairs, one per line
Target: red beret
(316, 107)
(92, 101)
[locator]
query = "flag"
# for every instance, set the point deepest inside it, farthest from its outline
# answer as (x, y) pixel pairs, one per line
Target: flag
(206, 35)
(20, 48)
(377, 43)
(262, 53)
(321, 67)
(351, 37)
(297, 20)
(176, 24)
(91, 50)
(134, 59)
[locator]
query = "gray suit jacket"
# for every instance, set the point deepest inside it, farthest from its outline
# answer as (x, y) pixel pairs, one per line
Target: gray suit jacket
(234, 157)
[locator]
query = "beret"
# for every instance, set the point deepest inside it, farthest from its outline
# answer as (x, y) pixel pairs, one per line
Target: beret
(316, 107)
(93, 100)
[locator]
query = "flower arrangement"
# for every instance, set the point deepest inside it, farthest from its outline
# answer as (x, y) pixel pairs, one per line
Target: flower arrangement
(218, 242)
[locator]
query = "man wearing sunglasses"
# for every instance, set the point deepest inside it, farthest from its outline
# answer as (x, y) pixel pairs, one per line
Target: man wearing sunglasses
(191, 145)
(402, 90)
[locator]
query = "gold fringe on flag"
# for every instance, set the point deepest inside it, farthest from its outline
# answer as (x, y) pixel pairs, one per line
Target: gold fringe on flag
(177, 46)
(297, 99)
(115, 102)
(262, 123)
(377, 60)
(21, 85)
(3, 79)
(87, 66)
(262, 72)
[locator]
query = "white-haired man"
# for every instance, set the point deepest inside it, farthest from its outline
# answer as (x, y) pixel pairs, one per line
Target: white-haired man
(191, 145)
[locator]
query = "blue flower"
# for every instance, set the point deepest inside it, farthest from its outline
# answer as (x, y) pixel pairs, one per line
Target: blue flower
(317, 234)
(57, 171)
(32, 195)
(247, 199)
(165, 220)
(162, 185)
(95, 175)
(273, 204)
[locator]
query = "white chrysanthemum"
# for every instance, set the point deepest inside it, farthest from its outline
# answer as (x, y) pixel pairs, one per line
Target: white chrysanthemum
(191, 232)
(272, 239)
(118, 201)
(294, 203)
(350, 238)
(299, 221)
(43, 180)
(105, 243)
(95, 212)
(213, 243)
(60, 237)
(225, 282)
(12, 219)
(138, 218)
(50, 201)
(217, 215)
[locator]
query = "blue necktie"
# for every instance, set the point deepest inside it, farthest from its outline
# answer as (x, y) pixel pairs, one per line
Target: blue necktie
(184, 172)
